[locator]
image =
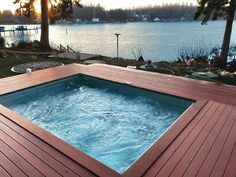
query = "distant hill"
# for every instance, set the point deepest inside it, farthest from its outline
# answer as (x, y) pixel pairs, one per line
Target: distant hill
(98, 14)
(7, 17)
(166, 12)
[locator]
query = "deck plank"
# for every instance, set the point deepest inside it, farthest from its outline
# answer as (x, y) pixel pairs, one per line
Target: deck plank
(65, 161)
(193, 141)
(10, 167)
(164, 83)
(210, 150)
(231, 170)
(4, 173)
(50, 150)
(21, 163)
(27, 155)
(139, 167)
(167, 84)
(157, 166)
(226, 152)
(46, 158)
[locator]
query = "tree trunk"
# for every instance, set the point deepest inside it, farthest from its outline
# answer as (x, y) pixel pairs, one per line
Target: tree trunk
(44, 39)
(222, 61)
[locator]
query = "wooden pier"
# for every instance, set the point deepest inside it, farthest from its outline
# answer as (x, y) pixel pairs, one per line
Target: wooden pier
(20, 31)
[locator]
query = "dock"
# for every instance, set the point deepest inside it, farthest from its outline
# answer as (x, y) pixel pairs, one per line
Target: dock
(22, 30)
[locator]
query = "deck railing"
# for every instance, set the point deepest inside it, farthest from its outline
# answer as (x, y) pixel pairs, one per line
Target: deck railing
(66, 49)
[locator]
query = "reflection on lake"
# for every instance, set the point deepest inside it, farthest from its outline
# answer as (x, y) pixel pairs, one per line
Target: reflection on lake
(158, 41)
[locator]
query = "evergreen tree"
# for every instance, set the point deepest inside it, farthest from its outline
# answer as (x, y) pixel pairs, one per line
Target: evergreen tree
(50, 9)
(213, 9)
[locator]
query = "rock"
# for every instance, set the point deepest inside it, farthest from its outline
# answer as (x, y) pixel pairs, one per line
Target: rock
(140, 59)
(231, 67)
(34, 66)
(149, 66)
(89, 62)
(179, 61)
(191, 63)
(227, 74)
(28, 70)
(131, 67)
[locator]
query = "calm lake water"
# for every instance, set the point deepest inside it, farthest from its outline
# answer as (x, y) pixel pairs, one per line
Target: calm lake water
(158, 41)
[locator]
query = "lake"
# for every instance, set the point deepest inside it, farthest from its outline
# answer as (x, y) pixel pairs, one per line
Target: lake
(156, 41)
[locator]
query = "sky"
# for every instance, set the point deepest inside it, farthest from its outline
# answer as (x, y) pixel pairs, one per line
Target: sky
(108, 4)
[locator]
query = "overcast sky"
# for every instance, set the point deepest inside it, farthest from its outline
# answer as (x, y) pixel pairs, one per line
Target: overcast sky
(108, 4)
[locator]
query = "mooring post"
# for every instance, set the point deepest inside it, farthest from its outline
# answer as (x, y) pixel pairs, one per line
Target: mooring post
(117, 36)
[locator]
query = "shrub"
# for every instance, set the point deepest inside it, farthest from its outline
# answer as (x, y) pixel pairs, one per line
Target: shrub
(137, 51)
(2, 42)
(197, 50)
(22, 45)
(32, 46)
(215, 53)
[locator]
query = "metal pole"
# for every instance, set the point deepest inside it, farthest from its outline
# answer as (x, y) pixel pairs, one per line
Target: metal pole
(117, 36)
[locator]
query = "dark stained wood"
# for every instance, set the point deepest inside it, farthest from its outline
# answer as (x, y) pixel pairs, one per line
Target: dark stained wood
(198, 151)
(19, 161)
(27, 156)
(190, 145)
(231, 170)
(209, 152)
(226, 152)
(4, 172)
(180, 86)
(157, 166)
(48, 160)
(10, 167)
(205, 152)
(201, 143)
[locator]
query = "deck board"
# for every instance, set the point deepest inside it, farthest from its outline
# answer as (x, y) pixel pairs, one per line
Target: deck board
(226, 152)
(205, 145)
(18, 161)
(198, 152)
(4, 173)
(28, 156)
(191, 145)
(209, 151)
(167, 84)
(167, 165)
(10, 167)
(231, 170)
(197, 155)
(38, 151)
(65, 161)
(49, 160)
(157, 166)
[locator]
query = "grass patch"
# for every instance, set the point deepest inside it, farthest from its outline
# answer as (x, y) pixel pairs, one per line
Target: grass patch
(7, 63)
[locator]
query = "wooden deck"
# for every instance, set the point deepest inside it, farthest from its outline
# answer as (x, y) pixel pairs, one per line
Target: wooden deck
(201, 143)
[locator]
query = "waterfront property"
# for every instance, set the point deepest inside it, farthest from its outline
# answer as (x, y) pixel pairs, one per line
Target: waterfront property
(156, 41)
(18, 30)
(200, 143)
